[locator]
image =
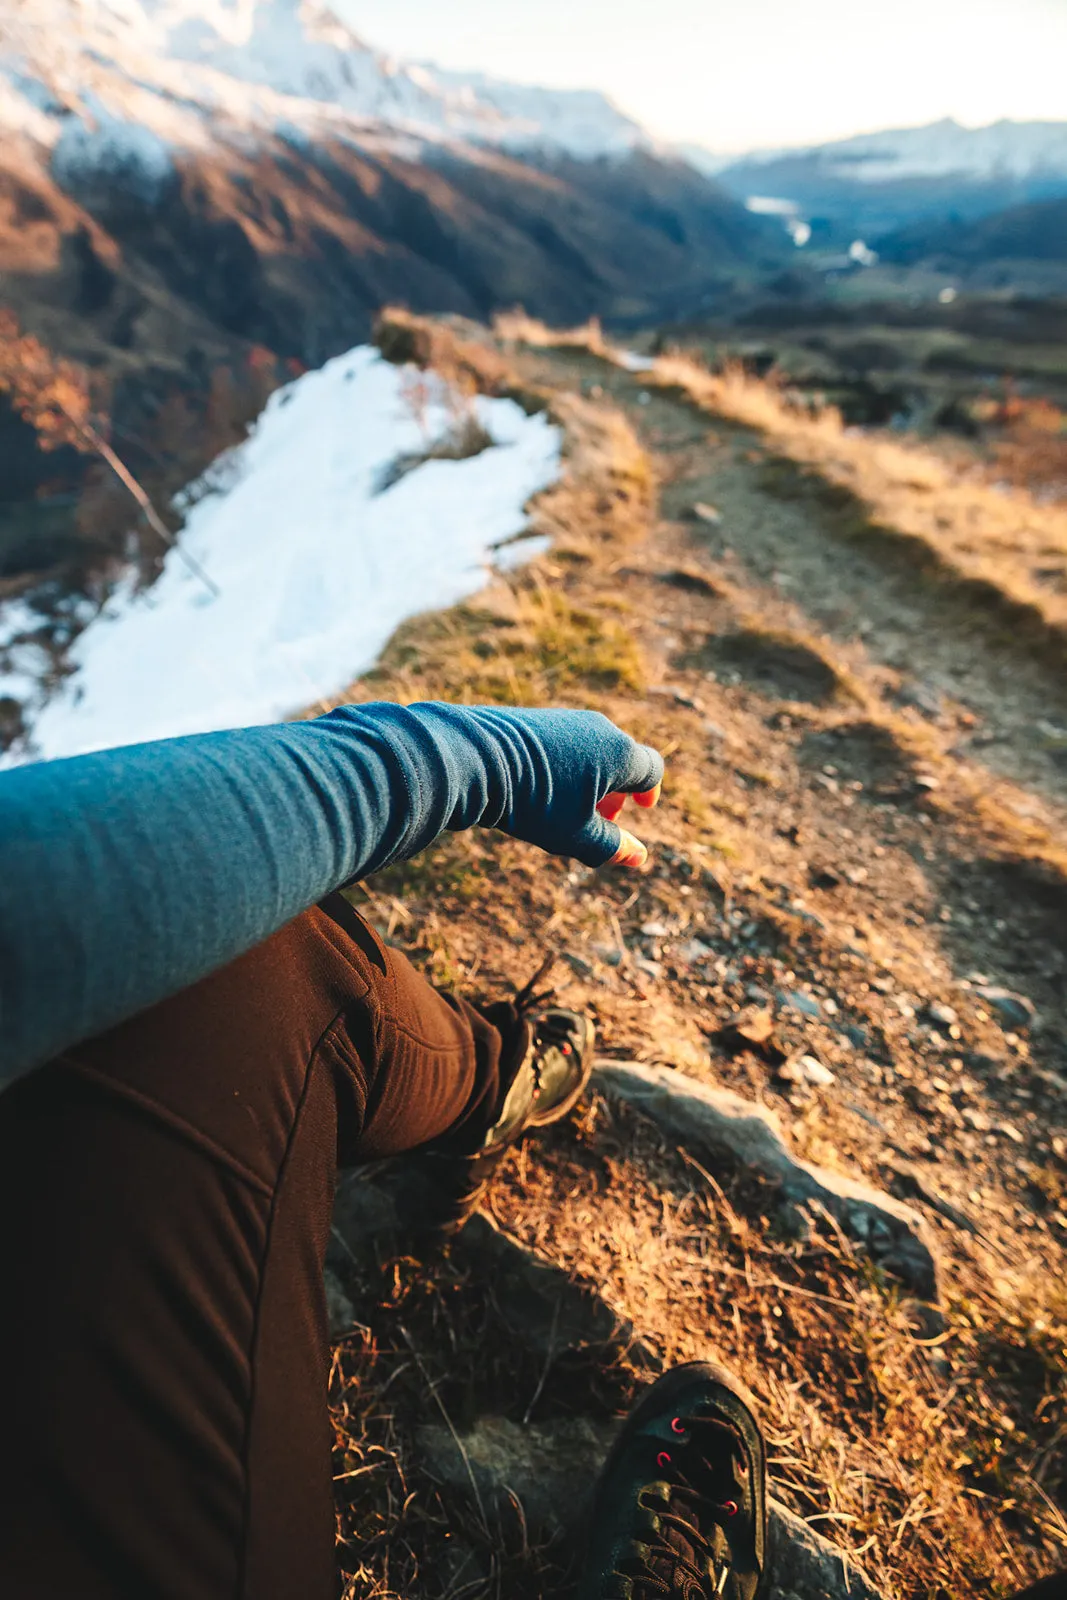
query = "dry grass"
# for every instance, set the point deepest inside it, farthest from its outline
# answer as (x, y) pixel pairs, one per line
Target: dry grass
(901, 1467)
(1007, 549)
(514, 328)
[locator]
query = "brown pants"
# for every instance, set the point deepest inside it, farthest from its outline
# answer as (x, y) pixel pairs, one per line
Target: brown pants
(165, 1201)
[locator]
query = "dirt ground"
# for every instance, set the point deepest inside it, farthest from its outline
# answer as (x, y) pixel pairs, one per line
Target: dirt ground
(862, 834)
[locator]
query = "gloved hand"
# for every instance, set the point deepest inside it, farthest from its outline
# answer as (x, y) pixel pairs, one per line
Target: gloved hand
(557, 778)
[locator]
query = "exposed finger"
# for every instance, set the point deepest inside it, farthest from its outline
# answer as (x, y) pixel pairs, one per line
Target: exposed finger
(631, 852)
(650, 797)
(611, 805)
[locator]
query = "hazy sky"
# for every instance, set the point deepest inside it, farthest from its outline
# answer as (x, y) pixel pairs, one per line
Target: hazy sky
(734, 74)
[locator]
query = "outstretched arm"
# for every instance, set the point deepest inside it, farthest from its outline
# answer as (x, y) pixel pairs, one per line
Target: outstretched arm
(126, 875)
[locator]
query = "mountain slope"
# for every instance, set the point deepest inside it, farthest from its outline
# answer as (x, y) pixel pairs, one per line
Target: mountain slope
(179, 173)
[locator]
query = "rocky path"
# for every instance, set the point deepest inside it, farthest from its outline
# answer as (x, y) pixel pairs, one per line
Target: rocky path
(827, 1142)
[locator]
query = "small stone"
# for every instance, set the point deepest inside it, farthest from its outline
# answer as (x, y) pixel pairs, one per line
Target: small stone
(693, 952)
(1013, 1009)
(751, 1027)
(807, 1069)
(707, 513)
(582, 967)
(798, 1001)
(921, 698)
(926, 780)
(1011, 1132)
(651, 969)
(824, 878)
(667, 691)
(655, 930)
(609, 953)
(944, 1016)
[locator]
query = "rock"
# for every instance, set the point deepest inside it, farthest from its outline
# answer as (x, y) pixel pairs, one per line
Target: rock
(797, 1001)
(549, 1467)
(944, 1016)
(1014, 1009)
(749, 1029)
(582, 967)
(706, 513)
(655, 930)
(362, 1212)
(806, 1069)
(552, 1468)
(667, 691)
(722, 1122)
(804, 1564)
(824, 878)
(694, 952)
(340, 1311)
(610, 954)
(550, 1311)
(921, 698)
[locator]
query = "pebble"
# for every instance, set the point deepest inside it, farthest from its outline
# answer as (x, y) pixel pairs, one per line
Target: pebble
(651, 969)
(807, 1069)
(943, 1015)
(797, 1001)
(654, 930)
(609, 953)
(1014, 1009)
(695, 951)
(707, 513)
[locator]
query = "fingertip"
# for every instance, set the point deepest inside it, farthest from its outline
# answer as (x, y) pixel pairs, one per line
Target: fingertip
(650, 797)
(631, 852)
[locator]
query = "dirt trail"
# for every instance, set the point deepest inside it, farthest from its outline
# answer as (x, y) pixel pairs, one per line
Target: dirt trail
(825, 864)
(788, 532)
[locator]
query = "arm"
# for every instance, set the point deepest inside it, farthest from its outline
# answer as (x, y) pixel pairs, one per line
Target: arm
(126, 875)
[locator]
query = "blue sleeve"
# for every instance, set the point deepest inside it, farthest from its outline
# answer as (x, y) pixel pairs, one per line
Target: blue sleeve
(126, 875)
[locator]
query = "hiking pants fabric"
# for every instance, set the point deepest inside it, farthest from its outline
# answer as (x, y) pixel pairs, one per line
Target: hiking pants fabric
(165, 1203)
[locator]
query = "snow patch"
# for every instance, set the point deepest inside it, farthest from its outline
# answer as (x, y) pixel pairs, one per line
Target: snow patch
(315, 569)
(131, 158)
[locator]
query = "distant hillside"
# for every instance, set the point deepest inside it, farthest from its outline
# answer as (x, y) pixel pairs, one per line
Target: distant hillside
(878, 182)
(1036, 232)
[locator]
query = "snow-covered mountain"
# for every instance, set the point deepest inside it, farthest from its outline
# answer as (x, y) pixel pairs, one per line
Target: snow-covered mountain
(877, 182)
(1003, 150)
(156, 74)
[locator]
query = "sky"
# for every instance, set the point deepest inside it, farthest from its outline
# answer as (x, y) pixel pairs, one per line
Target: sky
(744, 74)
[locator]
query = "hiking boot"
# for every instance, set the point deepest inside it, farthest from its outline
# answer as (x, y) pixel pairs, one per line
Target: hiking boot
(437, 1189)
(681, 1506)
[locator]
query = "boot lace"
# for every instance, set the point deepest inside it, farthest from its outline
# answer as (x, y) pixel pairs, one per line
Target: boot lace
(707, 1495)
